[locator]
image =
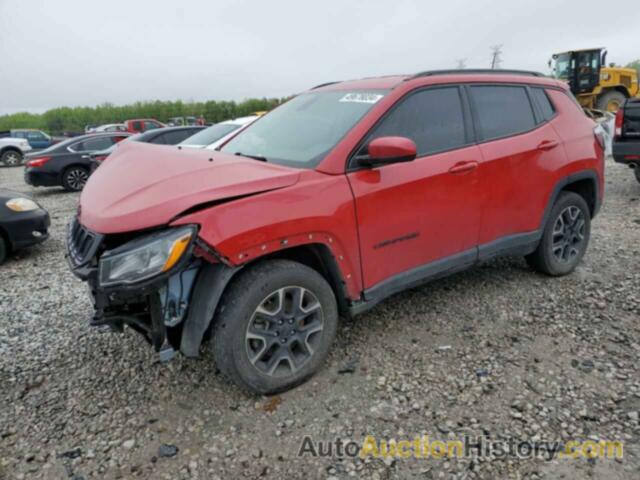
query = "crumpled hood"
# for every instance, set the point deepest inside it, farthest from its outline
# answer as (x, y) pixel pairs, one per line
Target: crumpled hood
(142, 185)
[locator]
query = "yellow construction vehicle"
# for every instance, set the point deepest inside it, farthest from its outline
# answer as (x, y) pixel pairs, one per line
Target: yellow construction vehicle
(595, 85)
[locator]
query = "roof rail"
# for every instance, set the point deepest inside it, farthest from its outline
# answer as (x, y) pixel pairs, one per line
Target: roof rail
(324, 84)
(472, 71)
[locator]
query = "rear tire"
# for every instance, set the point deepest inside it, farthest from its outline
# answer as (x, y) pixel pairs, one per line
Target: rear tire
(11, 158)
(275, 325)
(636, 170)
(565, 237)
(74, 178)
(610, 101)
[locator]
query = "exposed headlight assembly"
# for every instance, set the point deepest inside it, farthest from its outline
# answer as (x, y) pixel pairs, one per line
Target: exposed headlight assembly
(21, 204)
(145, 257)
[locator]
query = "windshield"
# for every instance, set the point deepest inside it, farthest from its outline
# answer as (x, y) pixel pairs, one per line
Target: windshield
(209, 135)
(561, 66)
(302, 131)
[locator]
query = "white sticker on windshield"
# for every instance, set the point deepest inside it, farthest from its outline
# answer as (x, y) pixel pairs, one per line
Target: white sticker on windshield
(361, 97)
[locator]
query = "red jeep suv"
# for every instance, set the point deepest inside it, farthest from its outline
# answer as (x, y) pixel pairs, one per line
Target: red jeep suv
(332, 202)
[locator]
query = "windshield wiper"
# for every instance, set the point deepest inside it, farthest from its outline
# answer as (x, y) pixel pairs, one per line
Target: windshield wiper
(255, 157)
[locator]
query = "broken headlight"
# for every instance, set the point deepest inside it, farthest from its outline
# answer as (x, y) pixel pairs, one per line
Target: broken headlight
(145, 257)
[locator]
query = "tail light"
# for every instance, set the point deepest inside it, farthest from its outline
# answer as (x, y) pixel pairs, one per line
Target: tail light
(618, 124)
(38, 162)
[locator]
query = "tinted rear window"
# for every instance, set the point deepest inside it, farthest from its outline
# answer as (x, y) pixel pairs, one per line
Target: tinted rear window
(544, 104)
(93, 144)
(175, 137)
(502, 110)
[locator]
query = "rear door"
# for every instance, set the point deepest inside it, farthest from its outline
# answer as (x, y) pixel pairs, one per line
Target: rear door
(410, 215)
(37, 139)
(520, 153)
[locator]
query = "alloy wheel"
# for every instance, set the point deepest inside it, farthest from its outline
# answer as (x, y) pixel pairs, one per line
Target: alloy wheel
(77, 178)
(284, 331)
(11, 159)
(568, 234)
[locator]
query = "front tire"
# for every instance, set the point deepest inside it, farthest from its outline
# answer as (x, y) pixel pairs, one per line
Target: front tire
(74, 178)
(11, 158)
(565, 237)
(275, 326)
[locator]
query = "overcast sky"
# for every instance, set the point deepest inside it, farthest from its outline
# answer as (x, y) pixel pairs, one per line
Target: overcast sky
(78, 52)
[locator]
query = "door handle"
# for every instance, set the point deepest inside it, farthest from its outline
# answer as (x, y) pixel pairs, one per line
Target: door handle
(548, 144)
(463, 167)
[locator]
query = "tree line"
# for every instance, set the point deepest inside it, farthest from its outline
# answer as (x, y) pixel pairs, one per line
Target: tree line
(73, 119)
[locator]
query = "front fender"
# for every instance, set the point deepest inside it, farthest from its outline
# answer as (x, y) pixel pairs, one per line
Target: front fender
(319, 209)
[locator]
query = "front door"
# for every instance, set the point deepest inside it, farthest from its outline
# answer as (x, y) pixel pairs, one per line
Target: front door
(421, 217)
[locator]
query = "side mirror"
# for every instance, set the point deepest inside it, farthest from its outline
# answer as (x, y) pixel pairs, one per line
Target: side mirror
(386, 150)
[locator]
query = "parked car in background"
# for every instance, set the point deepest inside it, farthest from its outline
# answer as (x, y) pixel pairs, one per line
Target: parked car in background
(22, 222)
(337, 199)
(142, 125)
(12, 151)
(626, 139)
(215, 135)
(160, 136)
(36, 138)
(67, 164)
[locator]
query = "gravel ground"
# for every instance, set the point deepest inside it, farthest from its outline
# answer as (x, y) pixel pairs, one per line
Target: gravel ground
(497, 351)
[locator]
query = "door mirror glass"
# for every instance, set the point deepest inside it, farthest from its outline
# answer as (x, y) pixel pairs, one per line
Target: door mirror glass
(385, 150)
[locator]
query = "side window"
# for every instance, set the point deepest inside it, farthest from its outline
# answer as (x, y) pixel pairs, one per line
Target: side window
(545, 106)
(432, 118)
(35, 136)
(150, 125)
(175, 137)
(158, 139)
(502, 110)
(93, 144)
(137, 126)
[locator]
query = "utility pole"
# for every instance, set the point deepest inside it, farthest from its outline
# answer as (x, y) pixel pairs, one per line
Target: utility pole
(461, 63)
(496, 56)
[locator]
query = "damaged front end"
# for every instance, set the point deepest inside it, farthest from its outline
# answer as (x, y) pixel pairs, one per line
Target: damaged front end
(142, 280)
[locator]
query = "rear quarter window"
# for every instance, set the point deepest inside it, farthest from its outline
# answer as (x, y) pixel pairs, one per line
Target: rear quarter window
(545, 107)
(502, 110)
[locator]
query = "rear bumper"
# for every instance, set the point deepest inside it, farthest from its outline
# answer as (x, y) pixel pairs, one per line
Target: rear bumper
(28, 228)
(626, 152)
(38, 178)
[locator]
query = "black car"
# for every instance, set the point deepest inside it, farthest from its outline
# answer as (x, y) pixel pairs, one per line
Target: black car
(22, 222)
(626, 142)
(67, 163)
(158, 136)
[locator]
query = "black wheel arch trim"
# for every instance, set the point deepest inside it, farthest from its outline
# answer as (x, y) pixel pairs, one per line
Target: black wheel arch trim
(210, 284)
(591, 175)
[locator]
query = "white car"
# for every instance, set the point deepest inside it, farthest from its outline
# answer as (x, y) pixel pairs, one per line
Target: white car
(109, 127)
(219, 133)
(12, 150)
